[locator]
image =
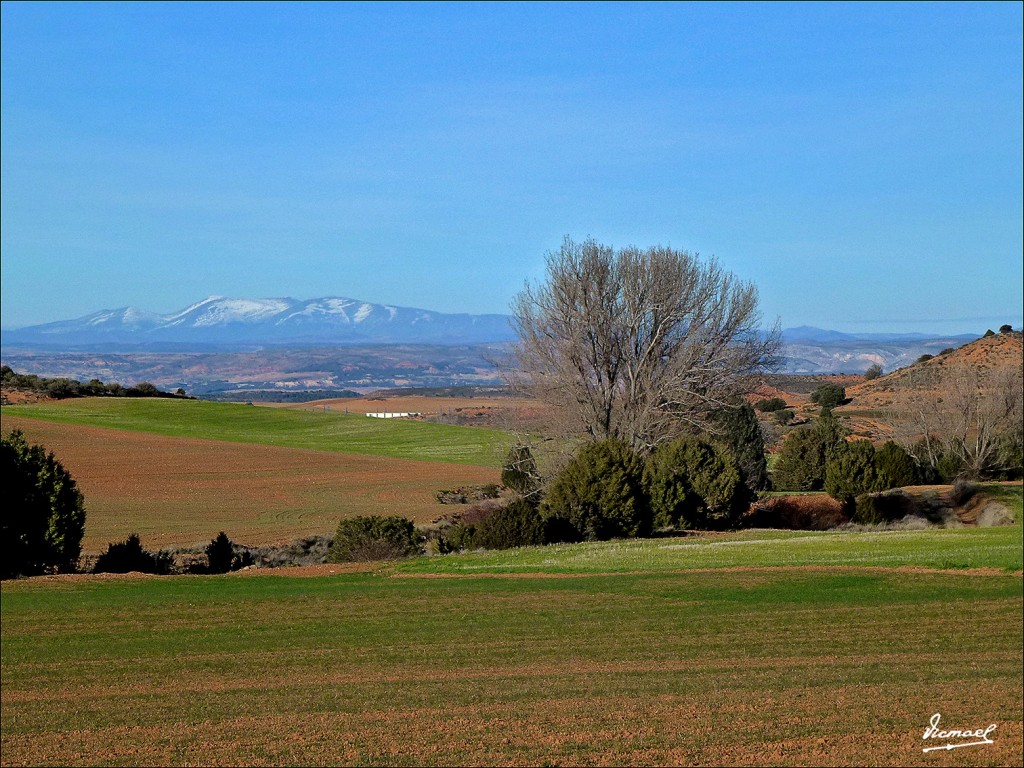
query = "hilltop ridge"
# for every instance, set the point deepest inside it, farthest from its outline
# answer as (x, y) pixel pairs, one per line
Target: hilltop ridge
(985, 354)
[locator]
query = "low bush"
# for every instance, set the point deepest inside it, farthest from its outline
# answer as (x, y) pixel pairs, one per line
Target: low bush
(467, 494)
(885, 507)
(460, 534)
(784, 417)
(598, 495)
(310, 550)
(962, 492)
(800, 513)
(770, 405)
(829, 395)
(365, 538)
(128, 556)
(693, 484)
(517, 524)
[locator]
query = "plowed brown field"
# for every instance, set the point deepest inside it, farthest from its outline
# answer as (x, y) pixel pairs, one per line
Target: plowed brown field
(180, 492)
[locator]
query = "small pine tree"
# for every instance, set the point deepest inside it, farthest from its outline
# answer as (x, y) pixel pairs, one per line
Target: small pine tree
(220, 554)
(801, 464)
(894, 467)
(693, 484)
(851, 471)
(805, 452)
(599, 495)
(42, 518)
(740, 432)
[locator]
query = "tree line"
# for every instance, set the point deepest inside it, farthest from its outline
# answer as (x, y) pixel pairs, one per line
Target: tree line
(63, 388)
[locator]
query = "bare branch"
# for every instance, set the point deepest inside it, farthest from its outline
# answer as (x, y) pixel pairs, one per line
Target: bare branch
(639, 344)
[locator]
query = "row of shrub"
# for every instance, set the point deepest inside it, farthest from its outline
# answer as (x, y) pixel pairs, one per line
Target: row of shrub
(466, 494)
(608, 490)
(819, 457)
(128, 556)
(62, 388)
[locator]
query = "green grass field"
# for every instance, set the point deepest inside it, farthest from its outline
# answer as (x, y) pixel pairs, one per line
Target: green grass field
(234, 422)
(673, 651)
(771, 666)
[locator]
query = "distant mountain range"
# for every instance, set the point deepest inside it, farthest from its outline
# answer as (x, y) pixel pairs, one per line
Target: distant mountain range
(808, 333)
(225, 322)
(224, 328)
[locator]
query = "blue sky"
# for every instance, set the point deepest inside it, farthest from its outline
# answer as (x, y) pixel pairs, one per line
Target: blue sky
(862, 164)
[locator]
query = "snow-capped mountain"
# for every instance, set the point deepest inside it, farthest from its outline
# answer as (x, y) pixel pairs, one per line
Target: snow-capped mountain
(219, 321)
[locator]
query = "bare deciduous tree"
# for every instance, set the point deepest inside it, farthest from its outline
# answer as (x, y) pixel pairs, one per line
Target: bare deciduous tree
(636, 344)
(972, 410)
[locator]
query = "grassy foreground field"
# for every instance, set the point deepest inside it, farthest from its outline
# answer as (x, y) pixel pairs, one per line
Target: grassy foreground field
(768, 666)
(702, 654)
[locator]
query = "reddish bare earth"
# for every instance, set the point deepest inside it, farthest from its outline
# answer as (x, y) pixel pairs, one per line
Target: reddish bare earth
(924, 378)
(181, 492)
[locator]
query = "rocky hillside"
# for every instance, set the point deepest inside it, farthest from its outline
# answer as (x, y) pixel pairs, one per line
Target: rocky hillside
(986, 355)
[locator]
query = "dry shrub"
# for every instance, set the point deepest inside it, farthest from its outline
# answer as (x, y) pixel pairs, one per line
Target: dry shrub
(801, 513)
(374, 537)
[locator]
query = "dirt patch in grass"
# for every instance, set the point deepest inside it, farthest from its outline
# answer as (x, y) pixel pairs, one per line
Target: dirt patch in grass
(181, 492)
(21, 397)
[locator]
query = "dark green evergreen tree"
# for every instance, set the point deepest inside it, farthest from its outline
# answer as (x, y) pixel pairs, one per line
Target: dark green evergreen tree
(599, 495)
(42, 519)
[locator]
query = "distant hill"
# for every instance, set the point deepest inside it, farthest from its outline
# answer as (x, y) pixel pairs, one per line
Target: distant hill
(226, 322)
(204, 346)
